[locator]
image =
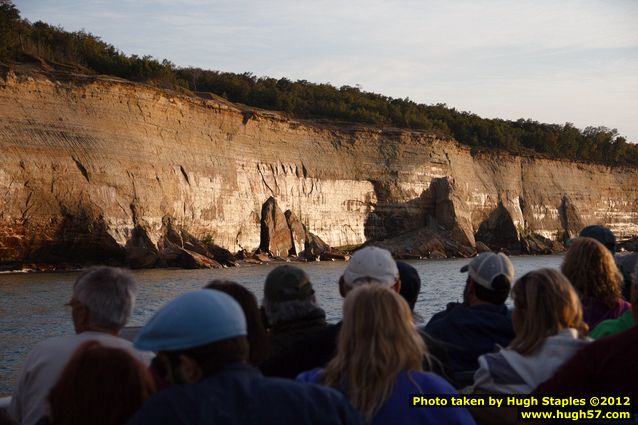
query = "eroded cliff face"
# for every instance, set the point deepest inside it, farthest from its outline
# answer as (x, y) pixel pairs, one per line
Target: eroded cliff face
(97, 169)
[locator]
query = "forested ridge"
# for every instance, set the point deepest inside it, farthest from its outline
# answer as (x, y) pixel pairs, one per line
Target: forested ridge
(23, 41)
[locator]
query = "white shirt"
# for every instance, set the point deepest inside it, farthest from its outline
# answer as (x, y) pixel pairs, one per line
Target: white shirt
(529, 371)
(45, 364)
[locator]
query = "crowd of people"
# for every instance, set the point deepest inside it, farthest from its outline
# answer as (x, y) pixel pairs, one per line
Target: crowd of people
(216, 356)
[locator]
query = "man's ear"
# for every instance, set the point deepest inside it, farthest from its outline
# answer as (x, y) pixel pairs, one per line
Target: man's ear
(189, 370)
(342, 287)
(397, 286)
(81, 318)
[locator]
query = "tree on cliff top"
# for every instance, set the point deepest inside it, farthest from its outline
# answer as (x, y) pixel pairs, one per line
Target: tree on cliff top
(9, 20)
(22, 41)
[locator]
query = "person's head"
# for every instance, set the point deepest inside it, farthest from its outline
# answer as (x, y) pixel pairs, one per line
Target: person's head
(195, 335)
(377, 341)
(101, 386)
(410, 283)
(602, 234)
(591, 268)
(257, 337)
(370, 265)
(544, 304)
(288, 296)
(103, 299)
(489, 279)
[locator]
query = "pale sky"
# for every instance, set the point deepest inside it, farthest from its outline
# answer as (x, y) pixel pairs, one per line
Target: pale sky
(553, 61)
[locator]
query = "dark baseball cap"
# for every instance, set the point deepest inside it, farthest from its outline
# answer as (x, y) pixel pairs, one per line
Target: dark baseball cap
(287, 283)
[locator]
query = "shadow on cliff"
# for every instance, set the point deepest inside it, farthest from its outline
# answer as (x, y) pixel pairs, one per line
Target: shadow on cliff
(79, 240)
(439, 224)
(175, 247)
(427, 226)
(499, 233)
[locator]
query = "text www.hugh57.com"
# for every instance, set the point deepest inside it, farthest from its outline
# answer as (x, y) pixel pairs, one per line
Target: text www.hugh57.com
(574, 415)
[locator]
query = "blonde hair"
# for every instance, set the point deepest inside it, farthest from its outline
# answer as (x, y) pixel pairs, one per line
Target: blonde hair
(591, 268)
(378, 340)
(544, 303)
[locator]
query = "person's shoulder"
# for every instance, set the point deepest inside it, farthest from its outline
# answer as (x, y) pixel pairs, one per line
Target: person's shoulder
(170, 406)
(450, 310)
(53, 346)
(457, 315)
(56, 341)
(488, 316)
(71, 340)
(308, 394)
(429, 382)
(62, 347)
(593, 351)
(605, 328)
(622, 339)
(329, 331)
(495, 357)
(115, 341)
(326, 335)
(156, 410)
(305, 382)
(297, 389)
(311, 376)
(490, 309)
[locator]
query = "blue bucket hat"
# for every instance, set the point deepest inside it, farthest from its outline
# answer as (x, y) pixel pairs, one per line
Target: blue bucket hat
(191, 320)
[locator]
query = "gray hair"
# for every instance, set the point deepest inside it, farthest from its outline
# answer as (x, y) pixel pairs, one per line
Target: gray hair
(286, 311)
(109, 295)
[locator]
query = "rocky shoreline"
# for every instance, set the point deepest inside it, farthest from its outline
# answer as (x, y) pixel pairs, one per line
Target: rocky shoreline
(283, 239)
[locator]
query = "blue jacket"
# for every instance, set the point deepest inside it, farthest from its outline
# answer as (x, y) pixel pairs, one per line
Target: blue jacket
(397, 409)
(240, 394)
(471, 331)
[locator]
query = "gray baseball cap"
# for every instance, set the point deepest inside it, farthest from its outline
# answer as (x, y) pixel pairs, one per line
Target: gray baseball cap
(487, 266)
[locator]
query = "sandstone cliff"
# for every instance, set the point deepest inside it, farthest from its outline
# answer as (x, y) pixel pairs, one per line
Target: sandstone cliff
(103, 170)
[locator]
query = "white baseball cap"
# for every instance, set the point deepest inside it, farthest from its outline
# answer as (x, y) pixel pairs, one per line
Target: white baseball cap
(371, 263)
(485, 267)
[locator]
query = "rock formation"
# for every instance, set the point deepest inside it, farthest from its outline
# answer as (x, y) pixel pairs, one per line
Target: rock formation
(106, 171)
(276, 237)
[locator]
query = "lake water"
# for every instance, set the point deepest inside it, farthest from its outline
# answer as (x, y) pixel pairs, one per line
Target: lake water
(31, 306)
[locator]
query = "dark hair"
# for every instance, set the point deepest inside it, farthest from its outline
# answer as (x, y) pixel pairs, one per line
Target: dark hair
(100, 386)
(257, 336)
(410, 283)
(498, 295)
(210, 357)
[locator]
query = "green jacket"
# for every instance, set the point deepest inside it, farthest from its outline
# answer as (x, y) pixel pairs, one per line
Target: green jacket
(613, 326)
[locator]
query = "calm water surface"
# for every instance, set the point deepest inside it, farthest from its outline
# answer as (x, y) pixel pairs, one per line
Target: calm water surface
(31, 306)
